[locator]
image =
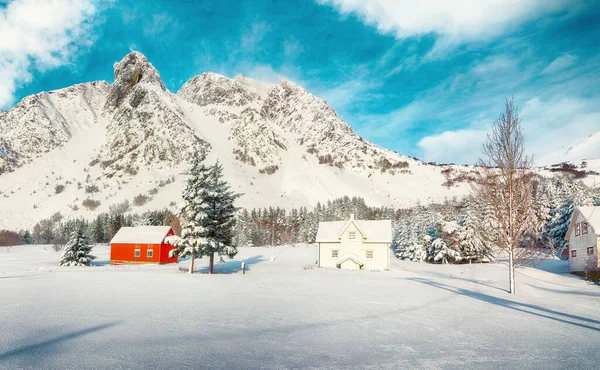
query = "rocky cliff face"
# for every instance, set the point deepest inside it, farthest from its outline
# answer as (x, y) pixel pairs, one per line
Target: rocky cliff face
(280, 145)
(45, 121)
(145, 124)
(263, 119)
(131, 72)
(214, 89)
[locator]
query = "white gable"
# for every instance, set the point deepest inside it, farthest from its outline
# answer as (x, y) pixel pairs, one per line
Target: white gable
(375, 231)
(141, 235)
(592, 216)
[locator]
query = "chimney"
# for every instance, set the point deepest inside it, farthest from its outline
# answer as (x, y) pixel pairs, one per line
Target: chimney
(352, 216)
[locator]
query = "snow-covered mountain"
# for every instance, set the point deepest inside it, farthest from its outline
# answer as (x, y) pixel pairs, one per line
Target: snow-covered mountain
(280, 146)
(586, 148)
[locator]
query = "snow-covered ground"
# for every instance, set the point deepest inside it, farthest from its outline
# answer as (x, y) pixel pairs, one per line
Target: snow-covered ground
(281, 314)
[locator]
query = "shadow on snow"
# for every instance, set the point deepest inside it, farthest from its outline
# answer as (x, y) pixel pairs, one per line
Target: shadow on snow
(517, 306)
(232, 266)
(49, 343)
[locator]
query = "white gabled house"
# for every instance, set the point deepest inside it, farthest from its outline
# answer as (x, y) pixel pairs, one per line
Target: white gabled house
(584, 237)
(355, 244)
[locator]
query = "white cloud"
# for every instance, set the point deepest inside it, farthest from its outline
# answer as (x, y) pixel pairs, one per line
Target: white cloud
(292, 48)
(562, 62)
(252, 38)
(265, 73)
(39, 35)
(551, 128)
(343, 95)
(159, 25)
(455, 19)
(461, 146)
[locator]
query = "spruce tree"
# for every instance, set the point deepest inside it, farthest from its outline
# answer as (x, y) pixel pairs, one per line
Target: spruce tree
(218, 219)
(77, 251)
(193, 215)
(559, 224)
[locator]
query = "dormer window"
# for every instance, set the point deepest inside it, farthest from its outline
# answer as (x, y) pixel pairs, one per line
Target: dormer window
(352, 235)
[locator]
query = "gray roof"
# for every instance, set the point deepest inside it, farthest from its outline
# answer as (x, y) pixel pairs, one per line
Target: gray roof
(141, 235)
(375, 231)
(592, 216)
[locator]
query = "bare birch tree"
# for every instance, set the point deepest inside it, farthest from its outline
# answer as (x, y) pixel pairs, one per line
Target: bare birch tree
(505, 185)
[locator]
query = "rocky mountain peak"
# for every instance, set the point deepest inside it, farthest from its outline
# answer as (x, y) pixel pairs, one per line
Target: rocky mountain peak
(212, 88)
(132, 70)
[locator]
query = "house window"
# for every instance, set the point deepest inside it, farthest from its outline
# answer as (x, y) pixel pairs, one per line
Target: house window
(136, 253)
(352, 235)
(149, 253)
(590, 251)
(573, 253)
(334, 253)
(577, 229)
(369, 254)
(583, 228)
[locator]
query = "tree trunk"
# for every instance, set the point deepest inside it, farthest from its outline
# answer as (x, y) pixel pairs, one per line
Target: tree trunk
(191, 271)
(511, 270)
(211, 264)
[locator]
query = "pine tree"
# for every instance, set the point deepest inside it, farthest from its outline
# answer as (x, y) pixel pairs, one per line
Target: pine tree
(242, 231)
(219, 217)
(472, 247)
(77, 251)
(558, 225)
(193, 216)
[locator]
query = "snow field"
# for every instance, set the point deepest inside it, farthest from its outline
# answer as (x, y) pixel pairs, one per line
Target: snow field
(282, 314)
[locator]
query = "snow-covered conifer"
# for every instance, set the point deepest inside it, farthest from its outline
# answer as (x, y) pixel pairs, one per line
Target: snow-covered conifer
(218, 217)
(193, 216)
(77, 251)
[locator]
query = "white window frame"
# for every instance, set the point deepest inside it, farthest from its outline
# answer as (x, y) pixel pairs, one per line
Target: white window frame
(577, 229)
(137, 253)
(352, 235)
(372, 252)
(149, 253)
(335, 253)
(584, 228)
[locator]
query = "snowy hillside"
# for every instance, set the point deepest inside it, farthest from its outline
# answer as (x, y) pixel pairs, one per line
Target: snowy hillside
(587, 148)
(105, 143)
(283, 315)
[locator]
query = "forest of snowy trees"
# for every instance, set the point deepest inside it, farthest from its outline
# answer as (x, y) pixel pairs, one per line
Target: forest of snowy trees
(56, 230)
(456, 231)
(451, 232)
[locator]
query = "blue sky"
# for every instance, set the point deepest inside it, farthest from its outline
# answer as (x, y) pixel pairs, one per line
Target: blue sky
(423, 78)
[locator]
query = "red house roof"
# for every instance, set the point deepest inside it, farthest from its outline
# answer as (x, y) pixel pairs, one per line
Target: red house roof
(141, 235)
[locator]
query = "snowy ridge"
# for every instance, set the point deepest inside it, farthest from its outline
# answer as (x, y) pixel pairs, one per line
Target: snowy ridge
(47, 120)
(145, 123)
(588, 147)
(279, 145)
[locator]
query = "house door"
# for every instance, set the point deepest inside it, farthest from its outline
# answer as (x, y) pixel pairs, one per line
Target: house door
(349, 264)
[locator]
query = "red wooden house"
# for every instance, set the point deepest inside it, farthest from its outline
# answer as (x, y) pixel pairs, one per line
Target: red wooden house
(141, 244)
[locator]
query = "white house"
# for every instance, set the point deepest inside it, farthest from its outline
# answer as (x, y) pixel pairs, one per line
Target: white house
(355, 244)
(584, 237)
